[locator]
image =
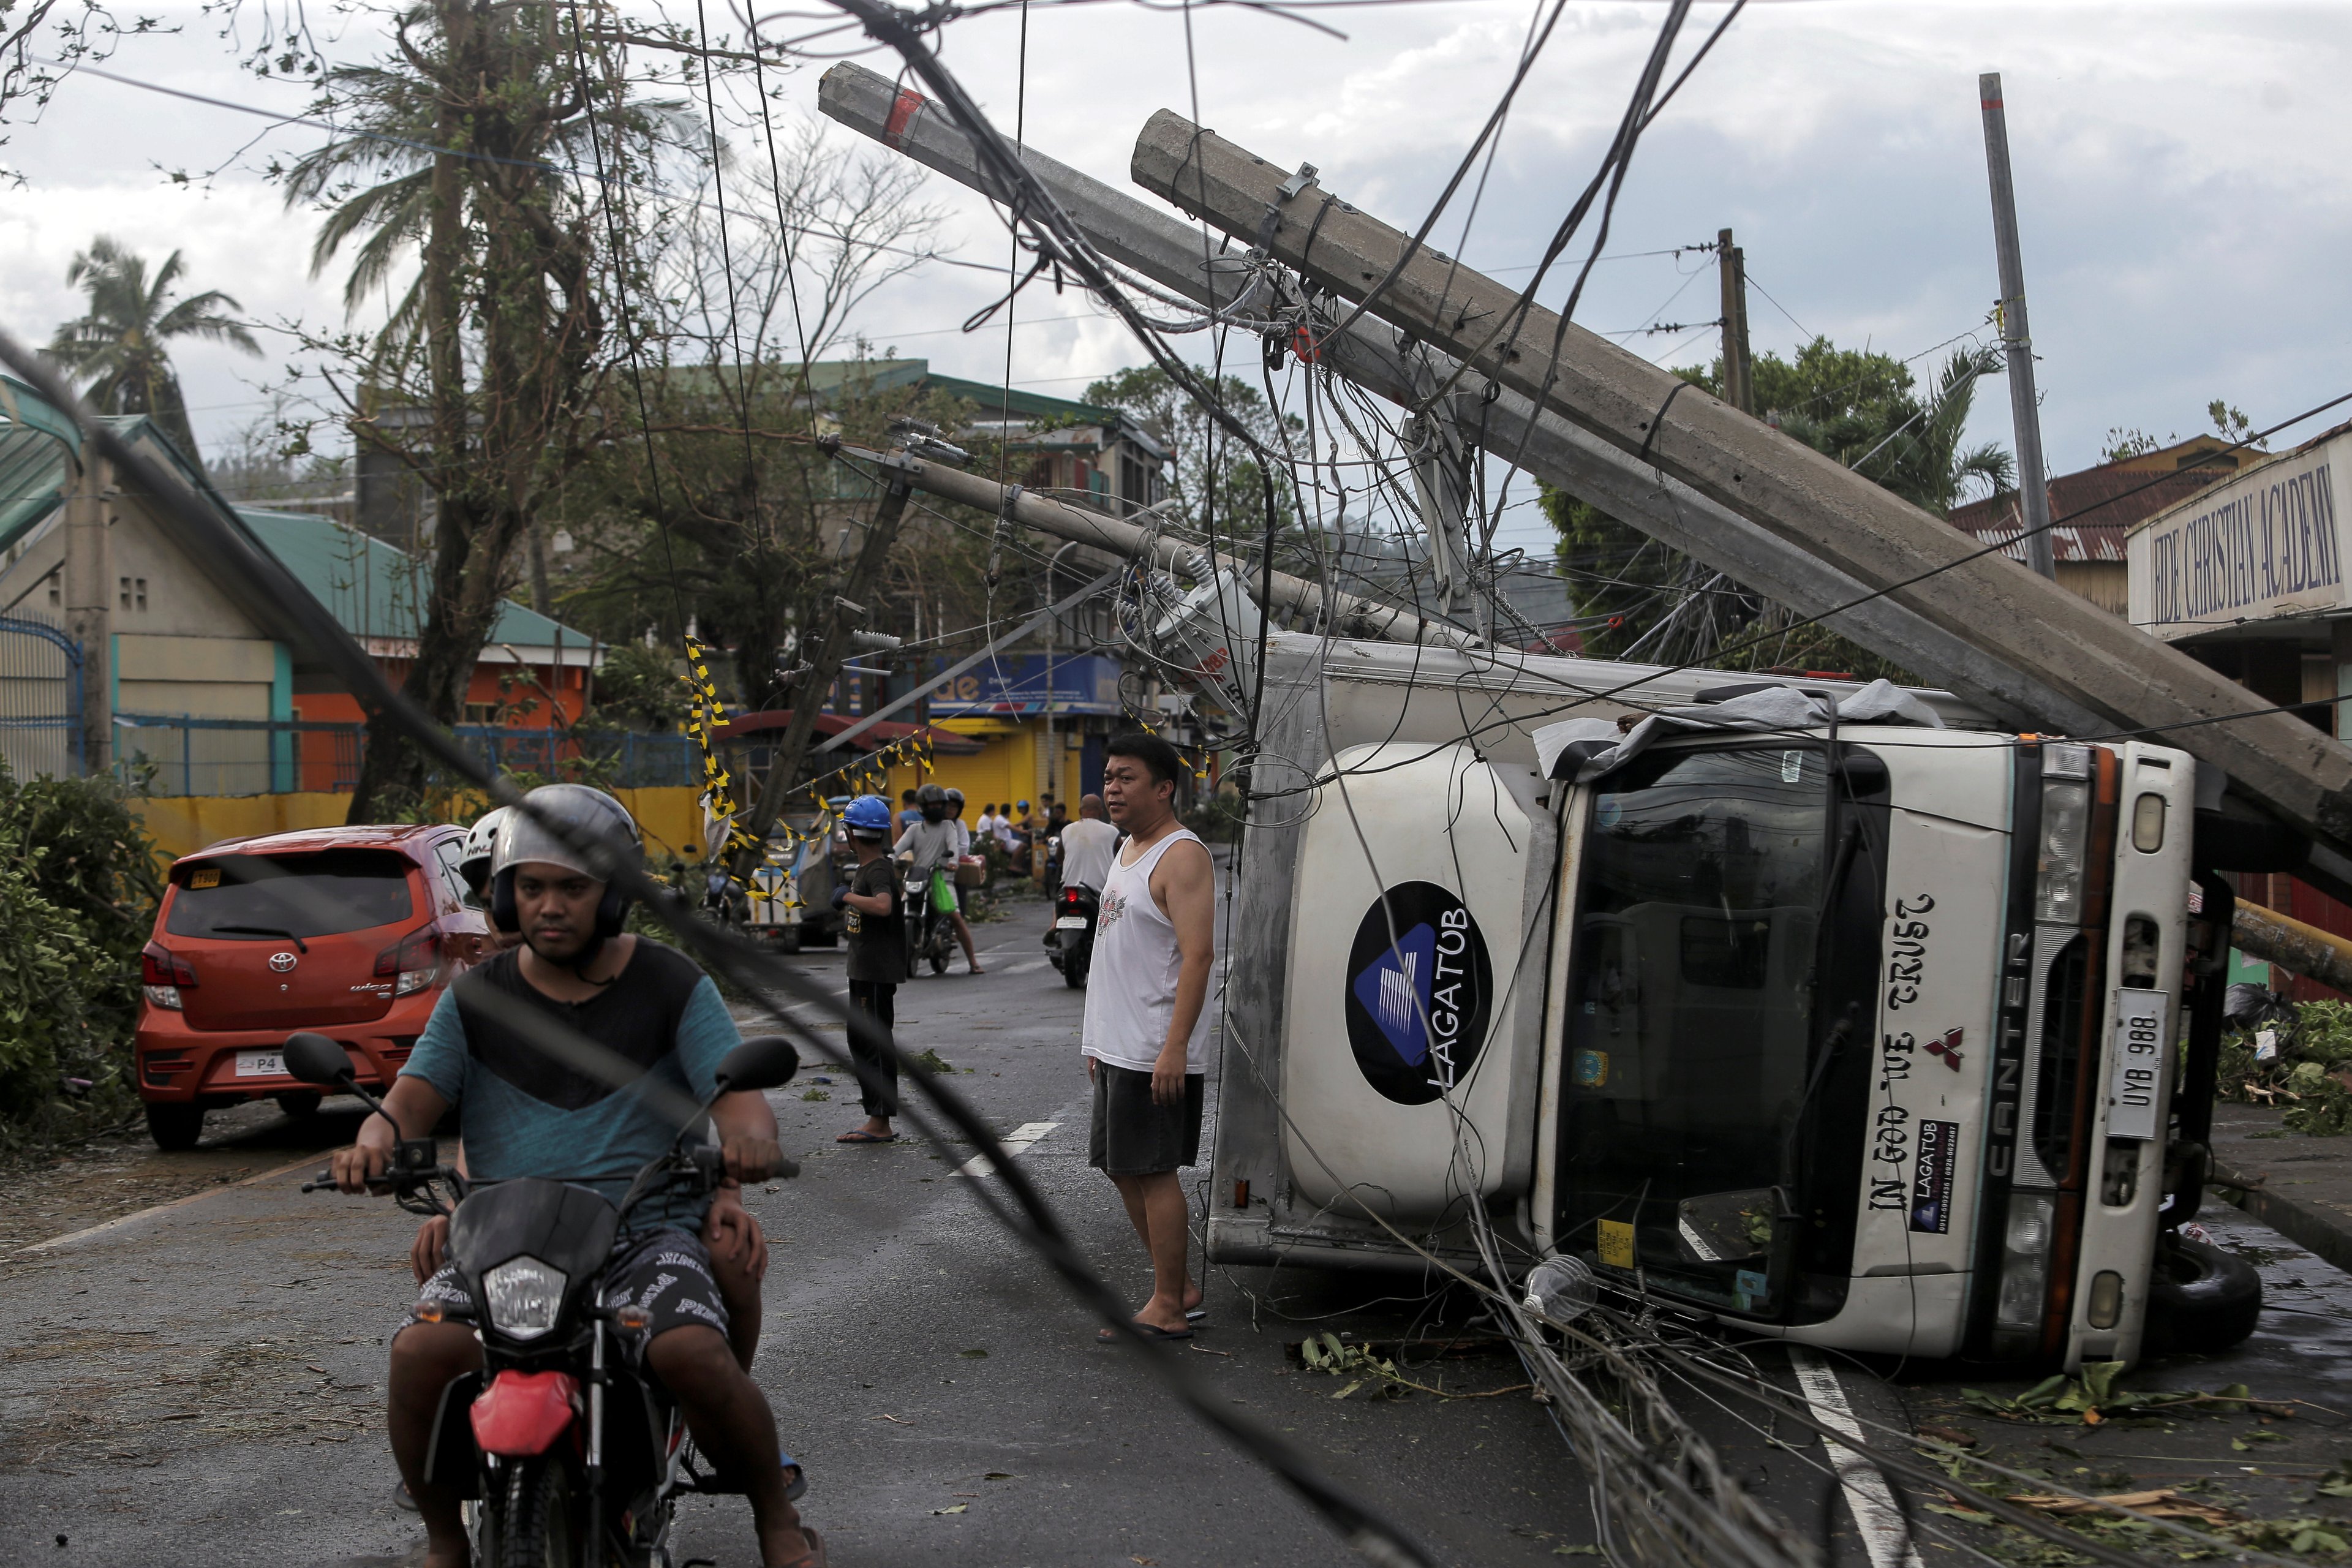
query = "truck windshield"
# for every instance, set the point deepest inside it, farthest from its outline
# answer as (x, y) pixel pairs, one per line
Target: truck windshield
(1691, 1019)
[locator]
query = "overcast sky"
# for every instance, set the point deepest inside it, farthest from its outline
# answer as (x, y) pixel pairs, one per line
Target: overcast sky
(2179, 180)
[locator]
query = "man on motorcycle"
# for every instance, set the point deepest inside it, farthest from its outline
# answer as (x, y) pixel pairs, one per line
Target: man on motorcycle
(506, 1043)
(932, 845)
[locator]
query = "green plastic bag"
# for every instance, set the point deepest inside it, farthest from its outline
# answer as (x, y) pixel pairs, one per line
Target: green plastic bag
(943, 894)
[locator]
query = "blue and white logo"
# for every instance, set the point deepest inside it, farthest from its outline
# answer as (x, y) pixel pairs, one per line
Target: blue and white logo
(1418, 987)
(1395, 992)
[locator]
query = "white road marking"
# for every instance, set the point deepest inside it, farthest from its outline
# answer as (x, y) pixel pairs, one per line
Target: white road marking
(1885, 1535)
(1020, 1138)
(1023, 967)
(120, 1221)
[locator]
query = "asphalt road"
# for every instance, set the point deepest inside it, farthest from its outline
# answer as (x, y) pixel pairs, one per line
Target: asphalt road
(202, 1383)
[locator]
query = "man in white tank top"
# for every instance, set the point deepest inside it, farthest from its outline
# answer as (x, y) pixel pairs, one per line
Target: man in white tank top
(1146, 1035)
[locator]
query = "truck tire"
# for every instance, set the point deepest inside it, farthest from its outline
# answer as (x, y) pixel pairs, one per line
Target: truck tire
(174, 1127)
(2201, 1298)
(788, 941)
(540, 1530)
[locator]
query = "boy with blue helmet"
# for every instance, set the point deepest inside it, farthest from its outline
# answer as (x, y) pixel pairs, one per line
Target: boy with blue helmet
(875, 931)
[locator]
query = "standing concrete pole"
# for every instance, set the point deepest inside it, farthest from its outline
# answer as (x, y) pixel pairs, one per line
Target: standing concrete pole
(1738, 375)
(89, 601)
(2016, 341)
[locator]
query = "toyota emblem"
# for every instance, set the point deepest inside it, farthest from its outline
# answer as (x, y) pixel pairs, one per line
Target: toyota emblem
(281, 962)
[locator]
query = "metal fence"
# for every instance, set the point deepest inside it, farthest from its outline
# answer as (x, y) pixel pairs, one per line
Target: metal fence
(171, 755)
(40, 698)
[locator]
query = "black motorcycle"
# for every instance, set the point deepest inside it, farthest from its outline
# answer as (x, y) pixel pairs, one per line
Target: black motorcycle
(1071, 942)
(567, 1455)
(930, 935)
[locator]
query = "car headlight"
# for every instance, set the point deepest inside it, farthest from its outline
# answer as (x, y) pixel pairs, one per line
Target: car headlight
(2024, 1273)
(2065, 832)
(524, 1295)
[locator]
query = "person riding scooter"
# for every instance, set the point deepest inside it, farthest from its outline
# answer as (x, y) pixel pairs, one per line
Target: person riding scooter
(930, 846)
(495, 1047)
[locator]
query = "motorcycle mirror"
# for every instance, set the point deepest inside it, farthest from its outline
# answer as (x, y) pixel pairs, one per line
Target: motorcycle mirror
(314, 1058)
(763, 1061)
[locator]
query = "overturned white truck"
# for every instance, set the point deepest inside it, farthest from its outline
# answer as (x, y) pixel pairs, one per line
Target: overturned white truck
(1854, 1027)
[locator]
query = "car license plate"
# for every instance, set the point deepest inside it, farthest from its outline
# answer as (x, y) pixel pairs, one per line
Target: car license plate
(260, 1064)
(2136, 1065)
(1071, 922)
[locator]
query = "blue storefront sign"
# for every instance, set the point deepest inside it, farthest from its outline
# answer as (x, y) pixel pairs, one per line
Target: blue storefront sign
(1020, 685)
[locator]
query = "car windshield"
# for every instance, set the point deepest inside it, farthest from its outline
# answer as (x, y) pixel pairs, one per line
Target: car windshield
(1691, 1021)
(265, 898)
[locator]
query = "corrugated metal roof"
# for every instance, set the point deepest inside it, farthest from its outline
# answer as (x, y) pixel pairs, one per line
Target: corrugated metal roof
(32, 475)
(373, 588)
(2106, 503)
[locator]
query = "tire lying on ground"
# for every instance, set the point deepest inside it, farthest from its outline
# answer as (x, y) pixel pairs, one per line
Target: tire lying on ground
(2203, 1297)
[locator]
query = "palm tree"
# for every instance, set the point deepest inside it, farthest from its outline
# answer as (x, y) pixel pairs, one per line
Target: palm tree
(121, 347)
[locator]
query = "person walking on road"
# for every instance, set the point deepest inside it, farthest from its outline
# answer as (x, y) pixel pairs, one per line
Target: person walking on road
(1146, 1033)
(875, 933)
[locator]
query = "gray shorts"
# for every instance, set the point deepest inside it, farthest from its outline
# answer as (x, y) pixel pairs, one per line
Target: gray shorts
(1132, 1136)
(668, 1272)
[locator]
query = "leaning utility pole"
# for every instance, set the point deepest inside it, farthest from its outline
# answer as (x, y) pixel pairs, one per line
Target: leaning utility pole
(1409, 374)
(2016, 341)
(1738, 370)
(2095, 660)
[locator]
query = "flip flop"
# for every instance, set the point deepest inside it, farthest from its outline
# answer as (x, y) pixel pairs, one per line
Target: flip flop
(1152, 1331)
(861, 1136)
(799, 1486)
(813, 1557)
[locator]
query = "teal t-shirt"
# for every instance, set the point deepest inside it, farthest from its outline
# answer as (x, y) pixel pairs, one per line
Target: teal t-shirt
(530, 1107)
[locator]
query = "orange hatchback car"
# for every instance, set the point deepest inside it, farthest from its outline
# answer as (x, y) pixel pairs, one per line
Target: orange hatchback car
(352, 932)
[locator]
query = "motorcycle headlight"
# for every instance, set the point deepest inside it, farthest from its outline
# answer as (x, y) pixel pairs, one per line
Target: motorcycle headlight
(2065, 834)
(524, 1295)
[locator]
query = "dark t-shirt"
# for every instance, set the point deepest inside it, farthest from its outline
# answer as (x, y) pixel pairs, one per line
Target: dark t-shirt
(878, 943)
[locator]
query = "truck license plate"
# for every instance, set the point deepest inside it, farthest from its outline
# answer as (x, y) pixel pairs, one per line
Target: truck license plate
(2136, 1065)
(260, 1064)
(1071, 922)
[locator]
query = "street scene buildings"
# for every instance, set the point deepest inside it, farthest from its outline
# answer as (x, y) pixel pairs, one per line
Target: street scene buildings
(1514, 908)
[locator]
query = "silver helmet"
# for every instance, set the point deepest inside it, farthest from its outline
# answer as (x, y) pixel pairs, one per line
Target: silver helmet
(581, 812)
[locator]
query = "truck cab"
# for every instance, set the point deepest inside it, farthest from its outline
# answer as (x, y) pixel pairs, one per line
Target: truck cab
(1858, 1034)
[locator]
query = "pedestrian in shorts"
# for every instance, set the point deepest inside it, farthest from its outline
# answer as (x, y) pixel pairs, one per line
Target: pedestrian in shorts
(1146, 1033)
(874, 927)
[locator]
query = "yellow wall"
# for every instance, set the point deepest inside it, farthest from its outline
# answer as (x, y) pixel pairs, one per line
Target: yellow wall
(670, 819)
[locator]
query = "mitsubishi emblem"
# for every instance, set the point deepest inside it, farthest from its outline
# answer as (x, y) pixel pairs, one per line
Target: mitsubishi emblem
(281, 962)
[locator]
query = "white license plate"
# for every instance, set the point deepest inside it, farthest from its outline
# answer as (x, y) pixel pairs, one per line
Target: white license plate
(2136, 1065)
(260, 1064)
(1071, 922)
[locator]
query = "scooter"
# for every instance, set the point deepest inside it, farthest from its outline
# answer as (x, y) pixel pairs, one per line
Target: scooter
(568, 1454)
(930, 934)
(1071, 943)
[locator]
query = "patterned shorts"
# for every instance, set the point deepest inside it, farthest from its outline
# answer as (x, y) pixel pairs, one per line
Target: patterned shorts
(668, 1272)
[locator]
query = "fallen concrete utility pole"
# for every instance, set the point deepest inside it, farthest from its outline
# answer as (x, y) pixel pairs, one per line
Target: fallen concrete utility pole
(2101, 663)
(1351, 614)
(2297, 948)
(1164, 250)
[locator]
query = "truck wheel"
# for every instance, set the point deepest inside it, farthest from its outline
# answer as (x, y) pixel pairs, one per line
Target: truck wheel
(788, 941)
(539, 1523)
(2201, 1298)
(300, 1102)
(174, 1127)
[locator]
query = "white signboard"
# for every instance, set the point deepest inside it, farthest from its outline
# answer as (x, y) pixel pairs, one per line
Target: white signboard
(2269, 542)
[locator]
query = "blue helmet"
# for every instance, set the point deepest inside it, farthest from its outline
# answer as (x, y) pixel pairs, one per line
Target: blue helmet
(869, 813)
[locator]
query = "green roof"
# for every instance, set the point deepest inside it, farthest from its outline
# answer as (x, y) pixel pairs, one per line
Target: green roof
(374, 588)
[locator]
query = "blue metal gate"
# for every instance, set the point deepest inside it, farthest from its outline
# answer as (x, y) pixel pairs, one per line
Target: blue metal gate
(40, 699)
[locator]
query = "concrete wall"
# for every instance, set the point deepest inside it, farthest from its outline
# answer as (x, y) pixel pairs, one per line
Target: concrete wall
(670, 819)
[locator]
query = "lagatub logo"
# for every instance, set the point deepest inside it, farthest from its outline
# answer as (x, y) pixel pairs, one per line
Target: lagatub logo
(1417, 1007)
